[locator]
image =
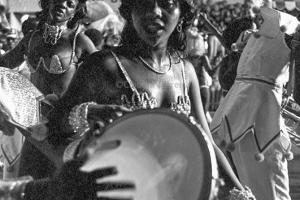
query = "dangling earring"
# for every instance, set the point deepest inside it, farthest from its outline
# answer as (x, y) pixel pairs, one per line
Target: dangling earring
(179, 26)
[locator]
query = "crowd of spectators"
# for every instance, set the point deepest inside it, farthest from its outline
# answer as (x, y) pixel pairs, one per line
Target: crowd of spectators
(222, 13)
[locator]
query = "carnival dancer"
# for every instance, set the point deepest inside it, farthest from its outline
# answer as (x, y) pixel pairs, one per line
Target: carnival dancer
(147, 71)
(248, 121)
(52, 52)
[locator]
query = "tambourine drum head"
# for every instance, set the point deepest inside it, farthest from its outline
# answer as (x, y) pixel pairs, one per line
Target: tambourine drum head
(166, 157)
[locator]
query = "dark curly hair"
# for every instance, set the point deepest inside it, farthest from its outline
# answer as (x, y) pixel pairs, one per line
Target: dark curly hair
(80, 12)
(177, 40)
(235, 28)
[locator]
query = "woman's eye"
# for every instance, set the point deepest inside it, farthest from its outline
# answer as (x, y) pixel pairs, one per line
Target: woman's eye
(167, 4)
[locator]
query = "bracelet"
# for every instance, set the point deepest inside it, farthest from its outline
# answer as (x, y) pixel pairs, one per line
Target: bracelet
(78, 119)
(246, 194)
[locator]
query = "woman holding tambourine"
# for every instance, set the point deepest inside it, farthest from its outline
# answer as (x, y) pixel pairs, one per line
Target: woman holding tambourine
(147, 71)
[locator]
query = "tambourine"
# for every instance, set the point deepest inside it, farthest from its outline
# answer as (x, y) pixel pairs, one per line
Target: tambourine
(166, 155)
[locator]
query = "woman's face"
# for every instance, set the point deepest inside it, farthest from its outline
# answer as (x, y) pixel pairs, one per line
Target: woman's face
(155, 20)
(62, 10)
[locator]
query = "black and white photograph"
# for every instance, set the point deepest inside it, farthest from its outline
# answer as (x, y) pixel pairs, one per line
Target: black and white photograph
(149, 99)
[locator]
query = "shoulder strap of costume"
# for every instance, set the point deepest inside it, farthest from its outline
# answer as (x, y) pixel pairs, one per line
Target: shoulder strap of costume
(128, 79)
(77, 31)
(30, 39)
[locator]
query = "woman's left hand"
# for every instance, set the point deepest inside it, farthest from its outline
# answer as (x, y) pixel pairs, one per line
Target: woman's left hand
(100, 115)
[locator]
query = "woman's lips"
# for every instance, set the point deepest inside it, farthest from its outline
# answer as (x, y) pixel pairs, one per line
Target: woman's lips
(153, 28)
(59, 11)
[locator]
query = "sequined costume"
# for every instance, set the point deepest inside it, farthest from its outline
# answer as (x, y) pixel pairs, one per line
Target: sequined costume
(248, 121)
(142, 100)
(55, 66)
(32, 161)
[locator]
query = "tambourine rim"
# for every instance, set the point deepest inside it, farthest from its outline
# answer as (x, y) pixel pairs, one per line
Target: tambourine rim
(206, 189)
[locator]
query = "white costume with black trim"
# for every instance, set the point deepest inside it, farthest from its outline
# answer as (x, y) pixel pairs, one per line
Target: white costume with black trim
(248, 121)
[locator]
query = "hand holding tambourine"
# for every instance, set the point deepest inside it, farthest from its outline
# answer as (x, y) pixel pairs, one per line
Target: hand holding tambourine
(93, 117)
(71, 182)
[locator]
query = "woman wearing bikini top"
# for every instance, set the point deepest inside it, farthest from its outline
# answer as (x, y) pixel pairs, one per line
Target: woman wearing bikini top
(52, 52)
(147, 71)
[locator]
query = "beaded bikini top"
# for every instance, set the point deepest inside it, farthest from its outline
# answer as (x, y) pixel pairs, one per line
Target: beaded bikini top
(142, 100)
(55, 66)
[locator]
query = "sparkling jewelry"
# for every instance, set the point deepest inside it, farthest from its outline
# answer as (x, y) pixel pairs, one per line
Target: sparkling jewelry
(246, 194)
(78, 119)
(139, 101)
(52, 33)
(156, 69)
(182, 106)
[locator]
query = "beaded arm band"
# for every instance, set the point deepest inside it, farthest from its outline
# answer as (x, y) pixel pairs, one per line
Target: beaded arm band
(246, 194)
(78, 119)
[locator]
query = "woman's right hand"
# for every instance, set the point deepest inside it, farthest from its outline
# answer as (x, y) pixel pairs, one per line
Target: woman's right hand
(71, 182)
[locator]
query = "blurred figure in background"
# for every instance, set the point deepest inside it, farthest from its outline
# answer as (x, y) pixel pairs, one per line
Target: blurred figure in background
(110, 27)
(4, 25)
(204, 72)
(112, 32)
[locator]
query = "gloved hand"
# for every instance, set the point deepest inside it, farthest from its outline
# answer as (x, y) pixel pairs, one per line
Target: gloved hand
(70, 183)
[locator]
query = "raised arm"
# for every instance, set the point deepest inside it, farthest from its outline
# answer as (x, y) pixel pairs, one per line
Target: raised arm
(85, 44)
(211, 27)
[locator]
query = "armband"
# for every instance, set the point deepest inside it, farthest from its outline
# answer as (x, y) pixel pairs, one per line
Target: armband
(78, 119)
(246, 194)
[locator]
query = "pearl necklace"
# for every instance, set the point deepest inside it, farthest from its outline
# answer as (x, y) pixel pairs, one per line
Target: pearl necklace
(156, 69)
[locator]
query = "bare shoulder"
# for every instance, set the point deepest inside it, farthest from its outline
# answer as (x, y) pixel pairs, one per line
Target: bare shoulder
(100, 62)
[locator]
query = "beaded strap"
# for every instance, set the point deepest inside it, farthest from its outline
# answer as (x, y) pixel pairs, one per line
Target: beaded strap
(78, 119)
